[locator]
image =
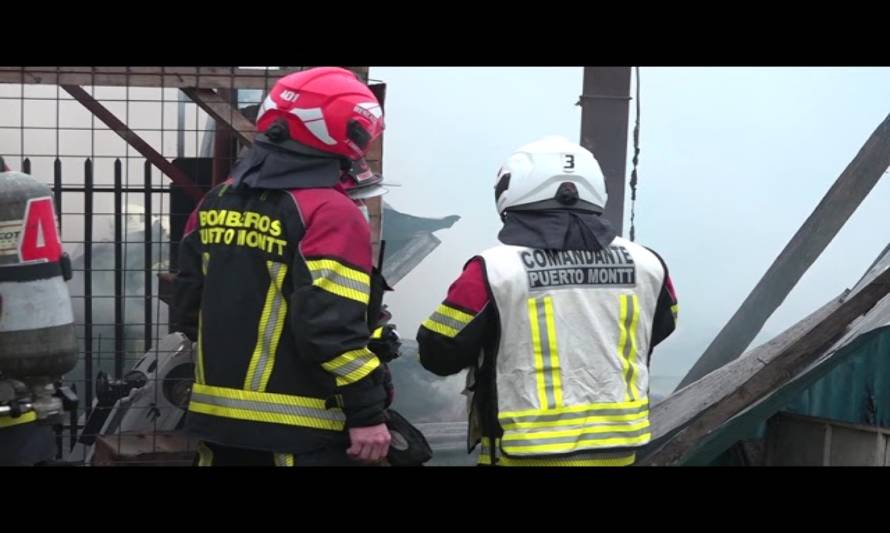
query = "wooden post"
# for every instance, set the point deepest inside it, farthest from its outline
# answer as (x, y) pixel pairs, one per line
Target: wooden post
(853, 185)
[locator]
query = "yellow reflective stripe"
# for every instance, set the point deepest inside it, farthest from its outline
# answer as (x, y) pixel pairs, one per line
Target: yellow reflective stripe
(576, 432)
(576, 408)
(631, 358)
(627, 341)
(447, 321)
(199, 363)
(268, 397)
(199, 367)
(675, 311)
(344, 359)
(278, 327)
(340, 269)
(451, 312)
(441, 329)
(366, 357)
(258, 348)
(622, 338)
(358, 373)
(627, 460)
(353, 284)
(268, 335)
(262, 416)
(284, 459)
(583, 460)
(8, 421)
(265, 407)
(576, 421)
(554, 353)
(346, 292)
(378, 333)
(205, 455)
(571, 446)
(536, 346)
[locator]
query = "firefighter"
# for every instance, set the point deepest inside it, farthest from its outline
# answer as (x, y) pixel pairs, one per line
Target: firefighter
(276, 285)
(557, 323)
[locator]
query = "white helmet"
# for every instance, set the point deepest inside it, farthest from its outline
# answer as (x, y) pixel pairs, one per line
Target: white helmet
(550, 173)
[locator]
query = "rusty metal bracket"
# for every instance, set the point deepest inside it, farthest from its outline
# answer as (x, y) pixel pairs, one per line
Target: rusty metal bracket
(180, 178)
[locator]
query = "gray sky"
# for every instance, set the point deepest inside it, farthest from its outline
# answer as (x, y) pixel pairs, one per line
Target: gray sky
(732, 161)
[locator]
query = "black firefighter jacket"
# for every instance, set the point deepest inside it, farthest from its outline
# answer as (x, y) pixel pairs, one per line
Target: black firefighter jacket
(275, 286)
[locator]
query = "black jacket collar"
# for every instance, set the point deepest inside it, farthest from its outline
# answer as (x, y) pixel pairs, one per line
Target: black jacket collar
(269, 166)
(556, 229)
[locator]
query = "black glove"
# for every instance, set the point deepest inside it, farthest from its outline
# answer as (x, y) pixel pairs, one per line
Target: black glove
(388, 386)
(385, 343)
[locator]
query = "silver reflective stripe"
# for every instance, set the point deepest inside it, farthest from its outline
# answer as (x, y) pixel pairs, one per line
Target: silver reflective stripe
(353, 365)
(268, 407)
(575, 416)
(267, 336)
(528, 439)
(552, 460)
(448, 321)
(329, 274)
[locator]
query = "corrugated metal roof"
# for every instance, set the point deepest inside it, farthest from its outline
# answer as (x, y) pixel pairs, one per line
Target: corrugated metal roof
(850, 382)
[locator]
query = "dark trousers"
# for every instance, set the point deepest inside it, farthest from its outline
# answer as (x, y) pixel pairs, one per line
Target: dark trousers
(210, 454)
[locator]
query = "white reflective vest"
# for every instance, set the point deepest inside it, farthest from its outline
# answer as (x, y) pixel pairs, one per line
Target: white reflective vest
(572, 362)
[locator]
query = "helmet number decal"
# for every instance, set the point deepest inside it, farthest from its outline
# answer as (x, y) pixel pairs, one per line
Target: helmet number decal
(569, 163)
(288, 96)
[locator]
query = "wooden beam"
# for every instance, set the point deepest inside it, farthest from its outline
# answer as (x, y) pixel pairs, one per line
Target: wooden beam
(180, 178)
(839, 203)
(222, 112)
(200, 77)
(374, 158)
(604, 117)
(684, 405)
(786, 365)
(157, 448)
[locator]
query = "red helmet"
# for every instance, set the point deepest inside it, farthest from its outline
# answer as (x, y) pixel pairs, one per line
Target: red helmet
(327, 108)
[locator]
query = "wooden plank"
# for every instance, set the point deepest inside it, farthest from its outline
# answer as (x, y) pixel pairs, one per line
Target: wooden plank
(162, 448)
(791, 441)
(222, 112)
(836, 207)
(199, 77)
(776, 372)
(801, 440)
(684, 405)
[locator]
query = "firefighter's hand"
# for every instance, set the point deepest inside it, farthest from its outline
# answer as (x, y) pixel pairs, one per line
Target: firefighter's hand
(369, 444)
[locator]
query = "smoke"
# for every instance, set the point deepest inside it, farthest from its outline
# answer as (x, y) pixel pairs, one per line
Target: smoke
(423, 397)
(133, 277)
